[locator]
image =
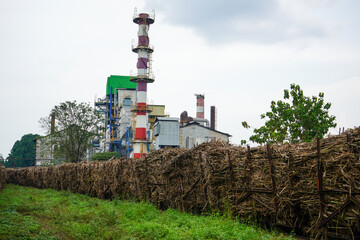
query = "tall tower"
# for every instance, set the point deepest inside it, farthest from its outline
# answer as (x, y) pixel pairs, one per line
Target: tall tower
(200, 105)
(143, 77)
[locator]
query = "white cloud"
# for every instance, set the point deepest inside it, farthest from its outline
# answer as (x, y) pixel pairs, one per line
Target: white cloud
(343, 95)
(243, 20)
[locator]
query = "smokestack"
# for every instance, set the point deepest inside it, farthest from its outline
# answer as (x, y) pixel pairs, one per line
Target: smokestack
(212, 118)
(183, 118)
(200, 105)
(144, 76)
(52, 129)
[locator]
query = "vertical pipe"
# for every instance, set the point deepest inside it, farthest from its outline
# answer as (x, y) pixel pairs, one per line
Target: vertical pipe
(212, 117)
(110, 120)
(52, 123)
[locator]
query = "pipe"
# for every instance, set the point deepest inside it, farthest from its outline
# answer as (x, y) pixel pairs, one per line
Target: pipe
(212, 117)
(52, 129)
(202, 120)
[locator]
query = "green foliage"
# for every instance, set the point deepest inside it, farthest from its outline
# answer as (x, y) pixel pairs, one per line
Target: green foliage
(75, 125)
(62, 215)
(105, 156)
(2, 160)
(297, 119)
(23, 152)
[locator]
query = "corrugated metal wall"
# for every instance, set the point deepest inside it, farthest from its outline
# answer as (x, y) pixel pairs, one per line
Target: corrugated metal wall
(166, 133)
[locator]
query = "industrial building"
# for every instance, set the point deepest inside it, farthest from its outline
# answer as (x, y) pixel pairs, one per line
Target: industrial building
(44, 153)
(166, 132)
(193, 134)
(194, 131)
(118, 107)
(133, 127)
(162, 131)
(127, 128)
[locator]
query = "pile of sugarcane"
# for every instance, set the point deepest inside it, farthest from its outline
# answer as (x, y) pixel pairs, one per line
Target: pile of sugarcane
(313, 187)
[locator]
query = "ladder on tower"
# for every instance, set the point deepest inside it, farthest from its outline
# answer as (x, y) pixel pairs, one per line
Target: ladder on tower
(149, 72)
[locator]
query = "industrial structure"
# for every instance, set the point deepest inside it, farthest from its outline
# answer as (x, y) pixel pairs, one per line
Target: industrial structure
(118, 107)
(166, 132)
(194, 131)
(132, 127)
(193, 134)
(143, 77)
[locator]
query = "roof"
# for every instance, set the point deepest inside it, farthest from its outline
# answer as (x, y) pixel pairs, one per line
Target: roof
(116, 81)
(198, 124)
(156, 110)
(171, 119)
(156, 105)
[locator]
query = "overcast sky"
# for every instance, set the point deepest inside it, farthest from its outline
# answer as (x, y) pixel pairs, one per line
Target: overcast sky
(240, 53)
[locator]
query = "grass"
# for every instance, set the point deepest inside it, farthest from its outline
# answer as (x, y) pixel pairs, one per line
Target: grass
(30, 213)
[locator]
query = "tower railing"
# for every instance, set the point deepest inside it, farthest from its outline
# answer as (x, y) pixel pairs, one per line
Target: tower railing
(137, 46)
(146, 76)
(150, 15)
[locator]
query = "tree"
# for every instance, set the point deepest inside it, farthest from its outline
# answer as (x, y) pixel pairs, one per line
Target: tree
(2, 161)
(23, 152)
(74, 127)
(297, 119)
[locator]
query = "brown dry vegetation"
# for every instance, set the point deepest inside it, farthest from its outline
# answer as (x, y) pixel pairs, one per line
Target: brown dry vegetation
(289, 184)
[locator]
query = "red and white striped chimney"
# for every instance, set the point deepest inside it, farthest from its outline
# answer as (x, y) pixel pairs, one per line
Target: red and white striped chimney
(200, 105)
(144, 76)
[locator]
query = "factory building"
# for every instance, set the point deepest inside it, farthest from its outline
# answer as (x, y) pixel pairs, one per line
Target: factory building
(188, 131)
(119, 107)
(120, 118)
(194, 134)
(44, 152)
(166, 132)
(194, 131)
(132, 126)
(116, 107)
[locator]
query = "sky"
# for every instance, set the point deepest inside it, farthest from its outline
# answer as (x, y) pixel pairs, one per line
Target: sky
(241, 54)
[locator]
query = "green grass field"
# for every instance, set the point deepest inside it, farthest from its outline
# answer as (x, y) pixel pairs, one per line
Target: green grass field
(30, 213)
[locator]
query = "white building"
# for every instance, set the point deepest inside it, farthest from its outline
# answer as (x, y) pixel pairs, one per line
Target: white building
(194, 134)
(44, 152)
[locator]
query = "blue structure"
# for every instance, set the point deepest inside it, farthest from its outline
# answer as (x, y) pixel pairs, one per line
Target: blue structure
(118, 136)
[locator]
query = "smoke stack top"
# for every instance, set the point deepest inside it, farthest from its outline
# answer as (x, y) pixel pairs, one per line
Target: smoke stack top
(52, 129)
(200, 106)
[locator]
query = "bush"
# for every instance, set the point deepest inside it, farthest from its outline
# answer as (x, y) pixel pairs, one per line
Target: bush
(105, 156)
